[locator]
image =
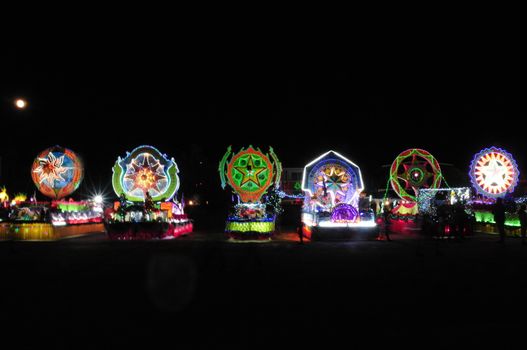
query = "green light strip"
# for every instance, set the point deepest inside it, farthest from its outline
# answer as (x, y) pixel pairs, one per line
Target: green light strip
(278, 166)
(116, 178)
(73, 207)
(487, 217)
(251, 226)
(221, 167)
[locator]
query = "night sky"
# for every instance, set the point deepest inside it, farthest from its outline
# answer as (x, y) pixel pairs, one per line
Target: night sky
(192, 104)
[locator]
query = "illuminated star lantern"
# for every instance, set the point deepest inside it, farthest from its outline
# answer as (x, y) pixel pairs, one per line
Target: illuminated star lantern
(494, 172)
(416, 174)
(332, 179)
(145, 170)
(4, 197)
(148, 175)
(57, 172)
(250, 172)
(413, 170)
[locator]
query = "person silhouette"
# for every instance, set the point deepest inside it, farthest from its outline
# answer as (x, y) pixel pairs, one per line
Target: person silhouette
(386, 221)
(522, 215)
(123, 200)
(499, 218)
(149, 204)
(459, 220)
(299, 231)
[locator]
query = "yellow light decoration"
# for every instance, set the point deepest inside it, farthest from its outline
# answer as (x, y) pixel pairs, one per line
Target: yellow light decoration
(405, 209)
(20, 197)
(44, 231)
(4, 197)
(146, 179)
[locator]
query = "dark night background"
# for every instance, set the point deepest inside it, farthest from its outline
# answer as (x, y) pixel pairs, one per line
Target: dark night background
(192, 104)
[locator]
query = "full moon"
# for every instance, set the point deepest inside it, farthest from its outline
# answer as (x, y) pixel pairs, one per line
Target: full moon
(20, 103)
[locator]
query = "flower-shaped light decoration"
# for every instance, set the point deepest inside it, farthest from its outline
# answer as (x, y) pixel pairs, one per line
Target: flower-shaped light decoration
(51, 168)
(145, 170)
(57, 172)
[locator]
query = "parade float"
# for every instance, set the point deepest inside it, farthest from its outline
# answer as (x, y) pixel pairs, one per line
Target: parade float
(411, 171)
(494, 174)
(254, 178)
(335, 205)
(146, 182)
(56, 172)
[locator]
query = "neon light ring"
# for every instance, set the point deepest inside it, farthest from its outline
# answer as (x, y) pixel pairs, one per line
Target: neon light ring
(494, 172)
(412, 170)
(57, 172)
(143, 170)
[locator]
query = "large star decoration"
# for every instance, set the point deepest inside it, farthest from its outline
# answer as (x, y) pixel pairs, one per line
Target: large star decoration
(250, 172)
(146, 175)
(50, 169)
(412, 174)
(494, 173)
(335, 180)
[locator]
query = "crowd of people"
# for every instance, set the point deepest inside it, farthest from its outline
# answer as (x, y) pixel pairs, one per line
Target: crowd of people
(455, 222)
(498, 211)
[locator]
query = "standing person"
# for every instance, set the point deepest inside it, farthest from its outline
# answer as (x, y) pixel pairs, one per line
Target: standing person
(300, 233)
(442, 221)
(499, 218)
(522, 215)
(149, 204)
(459, 220)
(386, 221)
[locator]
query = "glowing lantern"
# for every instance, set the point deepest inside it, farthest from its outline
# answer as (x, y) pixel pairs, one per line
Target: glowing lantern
(144, 170)
(494, 172)
(57, 172)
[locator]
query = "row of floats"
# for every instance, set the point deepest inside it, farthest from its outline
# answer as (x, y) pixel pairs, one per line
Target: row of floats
(335, 205)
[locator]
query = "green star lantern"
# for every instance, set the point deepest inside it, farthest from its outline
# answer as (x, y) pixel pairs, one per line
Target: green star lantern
(250, 172)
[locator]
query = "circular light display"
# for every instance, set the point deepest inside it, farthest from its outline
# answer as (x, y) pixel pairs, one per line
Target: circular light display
(332, 179)
(335, 179)
(57, 172)
(144, 170)
(494, 172)
(344, 213)
(250, 173)
(414, 169)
